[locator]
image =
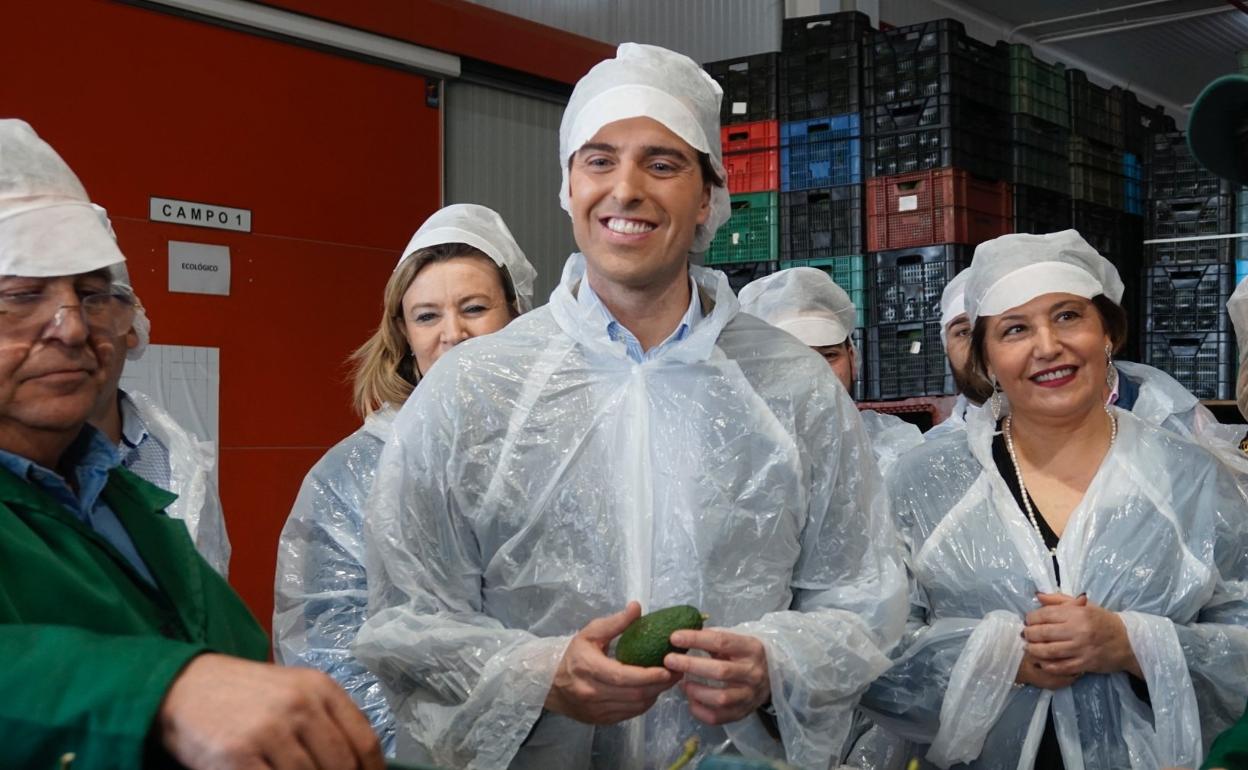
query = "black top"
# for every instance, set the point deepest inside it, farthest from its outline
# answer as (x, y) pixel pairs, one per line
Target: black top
(1049, 755)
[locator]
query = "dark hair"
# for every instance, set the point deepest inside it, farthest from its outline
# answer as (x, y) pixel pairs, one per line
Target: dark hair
(1113, 320)
(708, 171)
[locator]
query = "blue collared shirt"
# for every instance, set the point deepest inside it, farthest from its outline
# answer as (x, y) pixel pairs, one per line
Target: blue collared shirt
(587, 298)
(92, 457)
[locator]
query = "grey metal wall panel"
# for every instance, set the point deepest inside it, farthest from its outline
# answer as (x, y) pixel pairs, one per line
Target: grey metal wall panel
(589, 18)
(704, 30)
(501, 151)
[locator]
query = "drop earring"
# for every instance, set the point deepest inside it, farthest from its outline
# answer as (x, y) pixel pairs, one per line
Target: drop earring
(995, 401)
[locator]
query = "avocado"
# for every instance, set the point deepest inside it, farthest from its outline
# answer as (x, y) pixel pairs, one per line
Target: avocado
(646, 640)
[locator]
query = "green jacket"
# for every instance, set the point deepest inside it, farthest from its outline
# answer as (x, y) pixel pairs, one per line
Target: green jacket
(87, 647)
(1230, 750)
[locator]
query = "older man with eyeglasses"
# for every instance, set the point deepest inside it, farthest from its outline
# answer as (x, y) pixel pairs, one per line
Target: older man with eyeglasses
(121, 647)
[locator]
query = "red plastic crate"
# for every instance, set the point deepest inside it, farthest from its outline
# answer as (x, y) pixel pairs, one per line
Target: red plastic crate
(945, 205)
(747, 137)
(750, 172)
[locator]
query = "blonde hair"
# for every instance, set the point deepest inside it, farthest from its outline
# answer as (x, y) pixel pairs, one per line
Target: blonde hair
(383, 370)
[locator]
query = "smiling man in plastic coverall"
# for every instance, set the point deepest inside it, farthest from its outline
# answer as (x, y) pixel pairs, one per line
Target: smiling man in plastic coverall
(112, 628)
(635, 439)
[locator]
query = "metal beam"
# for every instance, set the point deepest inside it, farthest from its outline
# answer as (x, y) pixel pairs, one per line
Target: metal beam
(321, 33)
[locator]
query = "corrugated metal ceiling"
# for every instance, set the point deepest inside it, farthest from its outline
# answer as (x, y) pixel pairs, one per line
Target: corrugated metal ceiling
(1173, 58)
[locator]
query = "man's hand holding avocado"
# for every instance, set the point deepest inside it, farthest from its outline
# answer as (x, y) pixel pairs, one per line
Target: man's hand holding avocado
(591, 687)
(651, 657)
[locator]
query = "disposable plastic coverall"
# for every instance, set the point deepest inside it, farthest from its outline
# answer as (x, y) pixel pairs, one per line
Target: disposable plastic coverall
(1160, 537)
(1164, 402)
(190, 471)
(539, 478)
(322, 589)
(955, 421)
(890, 437)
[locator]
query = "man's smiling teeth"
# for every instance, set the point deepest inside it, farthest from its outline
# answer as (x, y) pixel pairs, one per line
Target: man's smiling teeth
(628, 226)
(1056, 374)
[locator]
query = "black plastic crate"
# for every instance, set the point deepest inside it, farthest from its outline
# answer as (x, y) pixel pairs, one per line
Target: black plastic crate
(1174, 173)
(1095, 112)
(1186, 252)
(1131, 242)
(1189, 217)
(1140, 123)
(906, 284)
(930, 59)
(817, 224)
(750, 84)
(741, 273)
(906, 360)
(1101, 226)
(936, 132)
(829, 29)
(1037, 210)
(1188, 298)
(1039, 154)
(820, 81)
(1203, 362)
(982, 155)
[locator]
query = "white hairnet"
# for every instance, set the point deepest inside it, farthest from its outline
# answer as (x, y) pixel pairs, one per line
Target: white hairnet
(1237, 308)
(803, 301)
(121, 279)
(645, 81)
(47, 226)
(953, 298)
(1014, 269)
(483, 229)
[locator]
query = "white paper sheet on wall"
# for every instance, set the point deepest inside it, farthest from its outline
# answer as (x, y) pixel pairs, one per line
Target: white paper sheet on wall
(184, 380)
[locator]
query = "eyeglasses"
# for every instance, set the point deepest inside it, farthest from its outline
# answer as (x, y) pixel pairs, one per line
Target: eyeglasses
(27, 316)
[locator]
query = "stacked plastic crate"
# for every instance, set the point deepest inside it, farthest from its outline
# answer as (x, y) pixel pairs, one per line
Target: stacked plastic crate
(937, 154)
(821, 215)
(1189, 275)
(1039, 135)
(748, 246)
(1106, 184)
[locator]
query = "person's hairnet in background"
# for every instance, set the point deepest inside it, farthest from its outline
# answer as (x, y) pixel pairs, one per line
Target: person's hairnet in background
(483, 229)
(953, 300)
(47, 225)
(1012, 270)
(645, 81)
(804, 302)
(121, 280)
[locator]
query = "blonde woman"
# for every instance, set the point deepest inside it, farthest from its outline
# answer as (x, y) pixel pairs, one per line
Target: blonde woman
(461, 276)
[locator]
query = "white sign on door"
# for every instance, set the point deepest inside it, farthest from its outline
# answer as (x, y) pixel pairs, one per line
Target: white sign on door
(199, 268)
(199, 214)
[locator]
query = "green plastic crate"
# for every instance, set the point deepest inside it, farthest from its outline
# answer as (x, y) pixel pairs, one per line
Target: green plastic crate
(847, 272)
(1037, 87)
(752, 234)
(1241, 224)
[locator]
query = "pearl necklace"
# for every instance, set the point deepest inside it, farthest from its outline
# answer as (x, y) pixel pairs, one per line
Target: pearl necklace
(1018, 471)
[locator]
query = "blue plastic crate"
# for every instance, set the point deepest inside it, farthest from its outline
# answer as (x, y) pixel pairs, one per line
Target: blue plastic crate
(1241, 270)
(820, 152)
(1133, 184)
